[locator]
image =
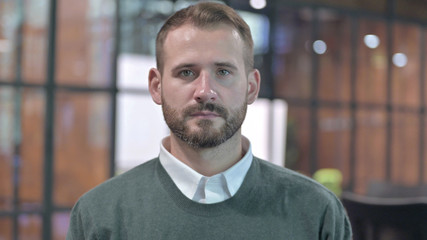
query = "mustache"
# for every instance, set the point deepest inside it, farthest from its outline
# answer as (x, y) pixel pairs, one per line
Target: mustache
(212, 107)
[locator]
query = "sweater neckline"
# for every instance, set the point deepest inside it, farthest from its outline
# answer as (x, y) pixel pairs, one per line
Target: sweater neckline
(201, 209)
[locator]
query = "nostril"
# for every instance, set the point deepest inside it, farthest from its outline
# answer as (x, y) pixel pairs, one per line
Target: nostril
(204, 93)
(198, 99)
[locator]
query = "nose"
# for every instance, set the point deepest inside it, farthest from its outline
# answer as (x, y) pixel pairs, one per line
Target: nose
(204, 91)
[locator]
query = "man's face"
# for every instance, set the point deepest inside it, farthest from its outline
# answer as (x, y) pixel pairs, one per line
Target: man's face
(204, 84)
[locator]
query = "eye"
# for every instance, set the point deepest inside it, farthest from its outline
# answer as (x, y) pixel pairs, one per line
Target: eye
(186, 73)
(223, 72)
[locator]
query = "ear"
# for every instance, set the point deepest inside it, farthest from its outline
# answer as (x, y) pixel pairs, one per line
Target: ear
(155, 85)
(254, 83)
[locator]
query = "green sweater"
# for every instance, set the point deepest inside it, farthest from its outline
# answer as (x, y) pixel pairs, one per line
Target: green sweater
(272, 203)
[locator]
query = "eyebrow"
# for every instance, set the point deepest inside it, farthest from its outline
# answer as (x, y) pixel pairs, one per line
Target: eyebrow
(191, 65)
(184, 65)
(226, 64)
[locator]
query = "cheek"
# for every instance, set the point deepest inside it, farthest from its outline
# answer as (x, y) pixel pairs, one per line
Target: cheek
(173, 94)
(238, 95)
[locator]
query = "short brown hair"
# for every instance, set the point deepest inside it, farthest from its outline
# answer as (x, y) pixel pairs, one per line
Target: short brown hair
(205, 15)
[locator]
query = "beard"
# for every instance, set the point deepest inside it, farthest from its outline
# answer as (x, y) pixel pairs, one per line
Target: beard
(206, 135)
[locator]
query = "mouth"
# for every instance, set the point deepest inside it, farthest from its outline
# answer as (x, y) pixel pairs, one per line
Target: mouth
(205, 115)
(207, 111)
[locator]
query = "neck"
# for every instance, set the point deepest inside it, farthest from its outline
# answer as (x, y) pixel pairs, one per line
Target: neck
(207, 161)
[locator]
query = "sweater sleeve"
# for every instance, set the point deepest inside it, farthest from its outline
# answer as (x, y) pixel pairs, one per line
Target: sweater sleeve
(81, 226)
(336, 225)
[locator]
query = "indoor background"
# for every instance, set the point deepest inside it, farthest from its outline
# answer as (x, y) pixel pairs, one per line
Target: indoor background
(343, 88)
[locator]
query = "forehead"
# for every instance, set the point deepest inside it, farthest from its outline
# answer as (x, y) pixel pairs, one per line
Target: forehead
(189, 42)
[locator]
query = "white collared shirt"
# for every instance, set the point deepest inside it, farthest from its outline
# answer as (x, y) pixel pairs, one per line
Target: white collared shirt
(205, 189)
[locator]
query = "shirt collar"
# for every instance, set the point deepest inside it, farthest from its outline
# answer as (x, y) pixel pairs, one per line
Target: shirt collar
(184, 177)
(237, 172)
(187, 179)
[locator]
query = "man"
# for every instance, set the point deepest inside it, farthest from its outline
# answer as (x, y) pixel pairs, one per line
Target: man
(206, 184)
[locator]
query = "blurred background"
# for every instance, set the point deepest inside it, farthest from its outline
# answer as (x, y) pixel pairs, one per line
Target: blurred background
(343, 99)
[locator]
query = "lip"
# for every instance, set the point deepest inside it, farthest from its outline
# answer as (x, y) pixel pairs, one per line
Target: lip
(205, 114)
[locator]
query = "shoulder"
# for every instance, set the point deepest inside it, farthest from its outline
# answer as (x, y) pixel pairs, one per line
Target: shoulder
(284, 175)
(298, 192)
(102, 206)
(294, 184)
(121, 186)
